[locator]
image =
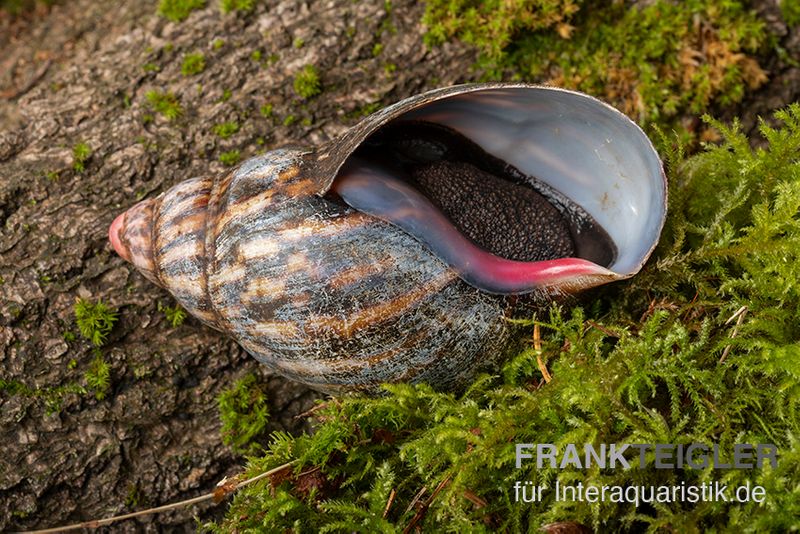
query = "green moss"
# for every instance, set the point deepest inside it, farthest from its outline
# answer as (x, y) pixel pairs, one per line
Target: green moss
(306, 82)
(366, 110)
(15, 387)
(266, 110)
(217, 43)
(299, 43)
(164, 103)
(653, 62)
(81, 153)
(386, 24)
(193, 64)
(142, 371)
(52, 397)
(230, 158)
(377, 49)
(656, 359)
(226, 95)
(289, 120)
(135, 498)
(791, 12)
(17, 7)
(226, 6)
(226, 129)
(244, 413)
(175, 314)
(98, 377)
(178, 10)
(255, 55)
(94, 320)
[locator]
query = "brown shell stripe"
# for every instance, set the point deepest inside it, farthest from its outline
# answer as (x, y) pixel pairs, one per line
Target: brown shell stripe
(352, 275)
(219, 188)
(345, 327)
(267, 246)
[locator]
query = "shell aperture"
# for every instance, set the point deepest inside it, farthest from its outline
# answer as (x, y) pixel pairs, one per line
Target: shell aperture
(376, 192)
(482, 217)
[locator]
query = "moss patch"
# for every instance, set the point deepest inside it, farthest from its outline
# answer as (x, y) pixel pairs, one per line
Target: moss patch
(94, 320)
(230, 158)
(175, 314)
(306, 83)
(226, 6)
(226, 129)
(17, 7)
(193, 64)
(244, 411)
(52, 396)
(652, 62)
(98, 377)
(81, 153)
(178, 10)
(165, 103)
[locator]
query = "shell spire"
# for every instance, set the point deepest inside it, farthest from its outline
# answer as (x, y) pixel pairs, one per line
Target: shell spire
(165, 239)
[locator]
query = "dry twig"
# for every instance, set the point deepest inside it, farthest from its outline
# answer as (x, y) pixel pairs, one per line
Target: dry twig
(537, 345)
(602, 328)
(389, 503)
(224, 488)
(739, 316)
(424, 508)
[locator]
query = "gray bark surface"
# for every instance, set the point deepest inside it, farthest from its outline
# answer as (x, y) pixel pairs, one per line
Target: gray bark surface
(79, 73)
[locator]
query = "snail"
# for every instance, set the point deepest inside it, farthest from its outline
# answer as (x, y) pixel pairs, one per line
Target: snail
(397, 252)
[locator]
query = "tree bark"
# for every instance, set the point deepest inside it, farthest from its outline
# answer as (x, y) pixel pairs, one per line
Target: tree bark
(79, 73)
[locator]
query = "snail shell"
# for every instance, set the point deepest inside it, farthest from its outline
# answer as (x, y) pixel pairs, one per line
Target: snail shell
(398, 251)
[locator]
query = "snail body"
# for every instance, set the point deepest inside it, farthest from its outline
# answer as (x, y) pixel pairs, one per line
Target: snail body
(397, 252)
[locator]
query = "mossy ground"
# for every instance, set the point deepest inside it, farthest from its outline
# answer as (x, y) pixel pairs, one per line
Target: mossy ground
(701, 346)
(661, 359)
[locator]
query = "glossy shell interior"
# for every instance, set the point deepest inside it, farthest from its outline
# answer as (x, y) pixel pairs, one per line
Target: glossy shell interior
(582, 147)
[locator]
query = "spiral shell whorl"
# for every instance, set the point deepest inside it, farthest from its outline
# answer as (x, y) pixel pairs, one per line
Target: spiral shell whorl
(164, 238)
(320, 292)
(330, 296)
